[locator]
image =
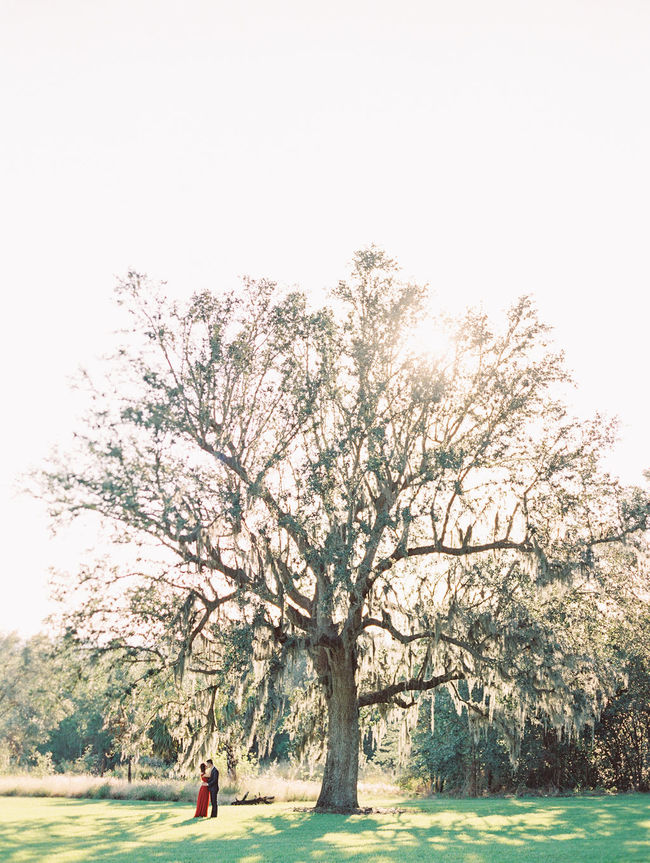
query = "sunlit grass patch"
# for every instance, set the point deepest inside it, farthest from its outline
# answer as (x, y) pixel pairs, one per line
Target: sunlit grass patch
(568, 830)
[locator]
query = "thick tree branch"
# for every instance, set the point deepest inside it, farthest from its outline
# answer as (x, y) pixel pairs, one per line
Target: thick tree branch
(209, 607)
(455, 551)
(284, 575)
(426, 634)
(388, 694)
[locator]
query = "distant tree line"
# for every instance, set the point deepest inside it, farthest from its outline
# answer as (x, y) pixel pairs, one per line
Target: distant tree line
(63, 712)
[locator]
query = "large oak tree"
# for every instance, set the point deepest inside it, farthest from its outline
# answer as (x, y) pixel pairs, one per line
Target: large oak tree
(404, 521)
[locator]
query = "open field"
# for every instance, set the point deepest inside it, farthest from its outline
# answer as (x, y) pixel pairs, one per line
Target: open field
(557, 830)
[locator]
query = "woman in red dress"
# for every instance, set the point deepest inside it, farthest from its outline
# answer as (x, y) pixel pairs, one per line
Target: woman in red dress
(204, 796)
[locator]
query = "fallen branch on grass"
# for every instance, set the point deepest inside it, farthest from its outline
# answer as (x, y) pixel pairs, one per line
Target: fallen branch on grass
(245, 801)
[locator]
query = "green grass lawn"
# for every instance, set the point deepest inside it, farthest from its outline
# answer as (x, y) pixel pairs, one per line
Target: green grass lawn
(552, 830)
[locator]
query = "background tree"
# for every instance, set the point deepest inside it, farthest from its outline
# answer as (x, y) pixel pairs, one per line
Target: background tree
(621, 746)
(405, 522)
(31, 703)
(132, 714)
(449, 757)
(622, 740)
(81, 742)
(610, 619)
(79, 712)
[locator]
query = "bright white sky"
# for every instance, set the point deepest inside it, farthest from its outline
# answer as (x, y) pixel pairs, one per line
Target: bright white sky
(494, 148)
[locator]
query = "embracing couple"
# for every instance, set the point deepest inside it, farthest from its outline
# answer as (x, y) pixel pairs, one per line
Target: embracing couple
(208, 790)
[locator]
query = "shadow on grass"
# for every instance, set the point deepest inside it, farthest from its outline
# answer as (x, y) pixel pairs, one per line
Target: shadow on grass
(458, 831)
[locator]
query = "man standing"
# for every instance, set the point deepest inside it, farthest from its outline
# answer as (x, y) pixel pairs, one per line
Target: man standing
(213, 786)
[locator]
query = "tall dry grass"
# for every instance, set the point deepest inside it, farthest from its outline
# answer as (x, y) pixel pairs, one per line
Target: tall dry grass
(95, 787)
(273, 782)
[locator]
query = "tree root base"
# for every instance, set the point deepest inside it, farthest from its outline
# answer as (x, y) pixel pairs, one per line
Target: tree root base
(339, 810)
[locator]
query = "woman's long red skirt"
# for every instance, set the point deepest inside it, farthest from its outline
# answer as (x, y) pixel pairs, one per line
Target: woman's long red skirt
(202, 802)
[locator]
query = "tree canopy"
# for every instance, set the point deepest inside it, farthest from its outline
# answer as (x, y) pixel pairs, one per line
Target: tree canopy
(402, 520)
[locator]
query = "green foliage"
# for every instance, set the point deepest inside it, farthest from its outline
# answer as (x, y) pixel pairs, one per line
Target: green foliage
(81, 743)
(453, 757)
(621, 749)
(31, 705)
(614, 754)
(66, 710)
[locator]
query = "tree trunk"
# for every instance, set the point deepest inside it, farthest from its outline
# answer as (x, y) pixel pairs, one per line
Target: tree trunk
(231, 761)
(473, 776)
(339, 788)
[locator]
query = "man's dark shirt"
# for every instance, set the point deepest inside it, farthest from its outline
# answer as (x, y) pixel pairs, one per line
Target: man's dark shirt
(213, 788)
(213, 781)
